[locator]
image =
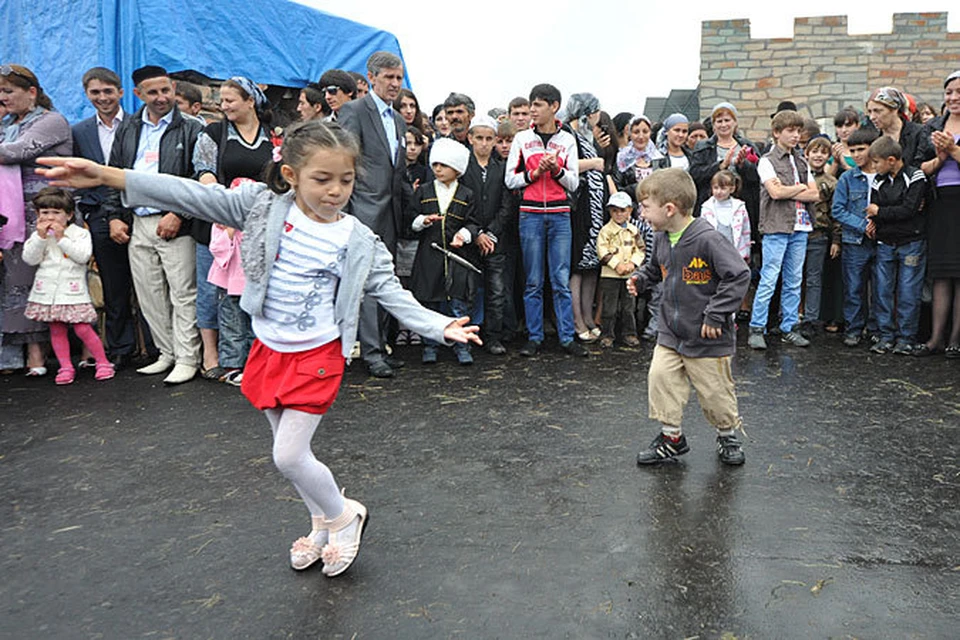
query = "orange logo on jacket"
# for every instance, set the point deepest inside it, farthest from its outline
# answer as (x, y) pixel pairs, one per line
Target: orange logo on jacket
(697, 272)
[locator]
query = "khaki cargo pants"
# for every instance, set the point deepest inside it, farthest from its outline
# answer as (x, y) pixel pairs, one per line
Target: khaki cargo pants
(669, 382)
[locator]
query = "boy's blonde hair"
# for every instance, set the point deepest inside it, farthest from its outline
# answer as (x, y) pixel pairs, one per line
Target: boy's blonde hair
(669, 185)
(819, 143)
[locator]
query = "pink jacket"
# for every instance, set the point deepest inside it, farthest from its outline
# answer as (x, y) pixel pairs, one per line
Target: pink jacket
(740, 223)
(226, 271)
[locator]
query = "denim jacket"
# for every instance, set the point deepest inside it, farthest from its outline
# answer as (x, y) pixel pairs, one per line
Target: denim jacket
(850, 205)
(260, 214)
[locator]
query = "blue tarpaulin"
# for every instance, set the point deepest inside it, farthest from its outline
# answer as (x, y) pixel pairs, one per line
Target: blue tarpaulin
(272, 42)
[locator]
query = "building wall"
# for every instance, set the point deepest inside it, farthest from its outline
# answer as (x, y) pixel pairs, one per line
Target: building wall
(822, 68)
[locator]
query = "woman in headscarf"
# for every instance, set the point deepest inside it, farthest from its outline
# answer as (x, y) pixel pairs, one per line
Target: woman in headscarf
(238, 147)
(30, 129)
(889, 112)
(672, 143)
(582, 112)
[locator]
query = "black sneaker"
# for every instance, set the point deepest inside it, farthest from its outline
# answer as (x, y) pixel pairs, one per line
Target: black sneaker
(574, 348)
(881, 347)
(728, 448)
(662, 448)
(530, 349)
(851, 340)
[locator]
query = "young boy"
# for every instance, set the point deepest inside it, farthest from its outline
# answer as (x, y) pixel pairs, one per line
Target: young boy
(543, 164)
(894, 217)
(438, 212)
(850, 200)
(707, 279)
(784, 225)
(826, 231)
(484, 177)
(506, 131)
(621, 251)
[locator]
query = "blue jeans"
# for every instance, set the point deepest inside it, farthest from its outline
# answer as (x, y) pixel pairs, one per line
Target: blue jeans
(236, 333)
(547, 235)
(207, 296)
(782, 252)
(857, 261)
(899, 275)
(813, 276)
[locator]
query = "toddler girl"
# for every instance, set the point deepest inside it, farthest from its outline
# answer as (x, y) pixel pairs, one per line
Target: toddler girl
(59, 295)
(308, 265)
(727, 214)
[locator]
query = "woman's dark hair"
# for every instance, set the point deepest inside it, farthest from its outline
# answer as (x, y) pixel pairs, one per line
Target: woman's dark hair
(301, 141)
(419, 117)
(920, 107)
(609, 155)
(22, 77)
(264, 113)
(54, 198)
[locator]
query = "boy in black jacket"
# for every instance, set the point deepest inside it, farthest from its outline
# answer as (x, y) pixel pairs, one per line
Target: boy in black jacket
(704, 281)
(894, 220)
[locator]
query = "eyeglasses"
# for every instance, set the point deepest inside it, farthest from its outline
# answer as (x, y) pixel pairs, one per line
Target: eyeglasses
(332, 89)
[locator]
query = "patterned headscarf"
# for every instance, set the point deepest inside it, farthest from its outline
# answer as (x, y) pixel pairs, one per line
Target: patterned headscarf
(260, 101)
(580, 105)
(891, 98)
(629, 155)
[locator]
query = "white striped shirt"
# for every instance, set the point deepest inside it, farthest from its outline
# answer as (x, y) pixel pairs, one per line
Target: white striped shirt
(298, 310)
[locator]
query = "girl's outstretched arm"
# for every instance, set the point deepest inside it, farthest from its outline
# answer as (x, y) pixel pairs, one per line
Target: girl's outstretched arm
(161, 191)
(80, 173)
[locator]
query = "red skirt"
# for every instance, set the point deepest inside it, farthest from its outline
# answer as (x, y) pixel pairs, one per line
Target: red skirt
(307, 381)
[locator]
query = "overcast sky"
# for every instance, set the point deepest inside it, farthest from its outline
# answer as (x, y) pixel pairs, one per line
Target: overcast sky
(618, 50)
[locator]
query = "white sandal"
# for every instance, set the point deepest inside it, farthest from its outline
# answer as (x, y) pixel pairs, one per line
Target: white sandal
(340, 552)
(305, 552)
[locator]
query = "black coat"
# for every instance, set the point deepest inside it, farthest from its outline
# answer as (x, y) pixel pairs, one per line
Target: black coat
(176, 157)
(703, 166)
(435, 277)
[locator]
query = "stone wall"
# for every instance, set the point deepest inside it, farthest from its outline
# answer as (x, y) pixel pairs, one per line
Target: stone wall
(822, 68)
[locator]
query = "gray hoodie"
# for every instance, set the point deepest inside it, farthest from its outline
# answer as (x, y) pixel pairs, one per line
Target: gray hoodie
(705, 279)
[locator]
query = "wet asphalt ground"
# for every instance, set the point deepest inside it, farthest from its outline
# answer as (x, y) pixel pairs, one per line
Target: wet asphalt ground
(505, 502)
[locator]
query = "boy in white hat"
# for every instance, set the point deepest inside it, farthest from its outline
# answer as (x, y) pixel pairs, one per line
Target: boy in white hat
(620, 250)
(438, 213)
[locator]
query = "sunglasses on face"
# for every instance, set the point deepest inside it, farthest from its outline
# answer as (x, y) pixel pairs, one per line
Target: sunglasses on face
(332, 89)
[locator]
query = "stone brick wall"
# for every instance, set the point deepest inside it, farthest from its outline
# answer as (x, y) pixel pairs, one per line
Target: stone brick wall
(822, 68)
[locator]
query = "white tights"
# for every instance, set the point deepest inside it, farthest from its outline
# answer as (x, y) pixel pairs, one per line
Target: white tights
(292, 432)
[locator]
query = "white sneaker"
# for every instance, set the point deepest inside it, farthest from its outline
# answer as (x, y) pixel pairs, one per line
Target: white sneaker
(181, 373)
(162, 365)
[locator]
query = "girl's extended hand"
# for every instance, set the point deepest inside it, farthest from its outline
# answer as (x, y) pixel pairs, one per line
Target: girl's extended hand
(75, 173)
(458, 331)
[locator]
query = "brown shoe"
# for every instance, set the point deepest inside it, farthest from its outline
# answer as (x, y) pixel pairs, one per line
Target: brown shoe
(631, 341)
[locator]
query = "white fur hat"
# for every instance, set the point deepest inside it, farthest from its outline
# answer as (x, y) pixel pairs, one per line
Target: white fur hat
(483, 120)
(451, 153)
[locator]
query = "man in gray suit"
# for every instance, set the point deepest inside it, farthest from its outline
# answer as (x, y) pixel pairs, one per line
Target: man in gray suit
(378, 193)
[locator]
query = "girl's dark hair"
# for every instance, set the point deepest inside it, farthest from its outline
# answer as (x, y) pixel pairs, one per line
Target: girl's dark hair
(301, 141)
(920, 107)
(847, 115)
(54, 198)
(22, 77)
(727, 178)
(418, 135)
(264, 114)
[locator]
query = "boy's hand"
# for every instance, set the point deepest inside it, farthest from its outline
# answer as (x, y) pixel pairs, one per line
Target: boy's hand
(458, 331)
(430, 219)
(834, 251)
(871, 231)
(169, 226)
(710, 333)
(872, 210)
(485, 244)
(632, 286)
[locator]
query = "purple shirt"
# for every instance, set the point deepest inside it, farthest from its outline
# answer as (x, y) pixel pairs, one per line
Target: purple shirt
(949, 174)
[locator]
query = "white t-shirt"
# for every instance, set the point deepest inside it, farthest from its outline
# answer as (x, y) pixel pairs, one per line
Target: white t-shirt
(298, 309)
(766, 172)
(869, 177)
(680, 161)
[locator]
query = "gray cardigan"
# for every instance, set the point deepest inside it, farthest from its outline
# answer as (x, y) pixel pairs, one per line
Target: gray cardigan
(260, 213)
